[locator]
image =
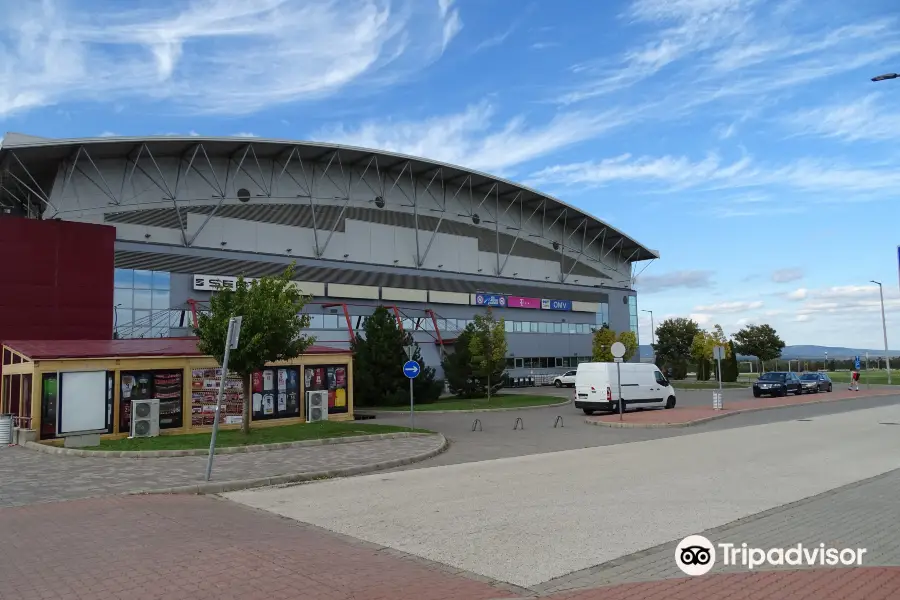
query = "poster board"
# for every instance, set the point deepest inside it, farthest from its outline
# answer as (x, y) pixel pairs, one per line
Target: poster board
(82, 402)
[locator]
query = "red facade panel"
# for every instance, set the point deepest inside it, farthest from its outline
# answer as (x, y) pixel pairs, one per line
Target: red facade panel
(56, 280)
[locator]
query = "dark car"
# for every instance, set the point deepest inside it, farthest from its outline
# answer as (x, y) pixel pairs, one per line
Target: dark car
(777, 383)
(816, 382)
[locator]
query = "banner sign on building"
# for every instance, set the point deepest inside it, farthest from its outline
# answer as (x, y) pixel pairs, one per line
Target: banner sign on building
(519, 302)
(212, 283)
(495, 300)
(556, 304)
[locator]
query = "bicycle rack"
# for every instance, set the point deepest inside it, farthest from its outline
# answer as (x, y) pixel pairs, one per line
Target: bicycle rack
(519, 422)
(477, 423)
(559, 421)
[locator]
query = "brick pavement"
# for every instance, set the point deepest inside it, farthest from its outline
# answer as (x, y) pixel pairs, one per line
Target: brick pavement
(692, 414)
(204, 548)
(27, 476)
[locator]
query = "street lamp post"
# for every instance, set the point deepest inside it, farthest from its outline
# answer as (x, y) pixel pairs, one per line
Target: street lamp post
(887, 358)
(652, 327)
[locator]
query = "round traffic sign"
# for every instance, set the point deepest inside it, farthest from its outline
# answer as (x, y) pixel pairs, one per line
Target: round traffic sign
(411, 369)
(617, 350)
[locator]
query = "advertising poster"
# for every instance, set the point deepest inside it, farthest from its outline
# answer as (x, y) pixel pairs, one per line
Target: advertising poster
(205, 389)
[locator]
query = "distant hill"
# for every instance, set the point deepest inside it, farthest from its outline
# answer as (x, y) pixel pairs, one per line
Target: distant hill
(835, 352)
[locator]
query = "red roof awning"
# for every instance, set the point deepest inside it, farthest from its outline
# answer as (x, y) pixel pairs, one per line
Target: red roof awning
(159, 347)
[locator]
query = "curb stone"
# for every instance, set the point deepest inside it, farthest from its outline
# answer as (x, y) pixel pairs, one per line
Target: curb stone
(702, 420)
(227, 450)
(221, 487)
(387, 413)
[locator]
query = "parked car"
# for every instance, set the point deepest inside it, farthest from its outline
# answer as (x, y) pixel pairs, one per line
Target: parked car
(567, 379)
(816, 382)
(777, 383)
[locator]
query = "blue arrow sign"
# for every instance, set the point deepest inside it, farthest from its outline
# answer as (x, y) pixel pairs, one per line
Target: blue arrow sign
(856, 362)
(411, 369)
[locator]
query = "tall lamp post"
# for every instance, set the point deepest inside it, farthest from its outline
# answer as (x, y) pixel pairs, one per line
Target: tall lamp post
(887, 358)
(652, 327)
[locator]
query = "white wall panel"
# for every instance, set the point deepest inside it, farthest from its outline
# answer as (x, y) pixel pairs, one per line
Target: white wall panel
(448, 298)
(340, 290)
(311, 288)
(404, 295)
(138, 233)
(590, 307)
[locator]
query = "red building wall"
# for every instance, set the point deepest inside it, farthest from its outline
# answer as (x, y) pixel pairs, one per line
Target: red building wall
(56, 280)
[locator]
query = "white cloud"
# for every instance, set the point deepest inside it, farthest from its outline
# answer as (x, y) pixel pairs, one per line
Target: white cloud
(452, 22)
(798, 294)
(474, 139)
(864, 119)
(696, 52)
(729, 307)
(245, 134)
(648, 284)
(214, 56)
(787, 275)
(108, 134)
(702, 319)
(712, 173)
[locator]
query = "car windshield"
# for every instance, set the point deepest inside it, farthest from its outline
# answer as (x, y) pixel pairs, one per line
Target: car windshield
(809, 376)
(772, 377)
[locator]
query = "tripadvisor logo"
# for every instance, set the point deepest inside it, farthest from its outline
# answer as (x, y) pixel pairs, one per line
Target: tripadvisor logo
(696, 555)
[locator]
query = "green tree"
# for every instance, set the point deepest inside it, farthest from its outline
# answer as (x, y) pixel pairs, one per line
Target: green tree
(730, 364)
(457, 365)
(378, 356)
(701, 353)
(271, 330)
(761, 341)
(674, 339)
(604, 338)
(488, 348)
(629, 339)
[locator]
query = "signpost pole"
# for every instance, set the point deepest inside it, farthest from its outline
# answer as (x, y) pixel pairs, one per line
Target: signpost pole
(720, 354)
(868, 386)
(411, 370)
(618, 351)
(231, 342)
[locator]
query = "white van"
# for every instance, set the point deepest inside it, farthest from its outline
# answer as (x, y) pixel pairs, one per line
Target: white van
(643, 386)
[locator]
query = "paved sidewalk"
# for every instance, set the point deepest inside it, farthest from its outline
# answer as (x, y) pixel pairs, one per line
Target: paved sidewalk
(204, 548)
(697, 414)
(865, 514)
(27, 476)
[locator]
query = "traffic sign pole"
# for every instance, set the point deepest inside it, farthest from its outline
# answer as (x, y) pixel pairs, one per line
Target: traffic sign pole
(411, 369)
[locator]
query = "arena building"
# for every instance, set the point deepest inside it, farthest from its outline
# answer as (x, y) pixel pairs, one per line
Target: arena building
(433, 242)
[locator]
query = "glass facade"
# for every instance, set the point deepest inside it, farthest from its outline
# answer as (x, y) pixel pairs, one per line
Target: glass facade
(633, 313)
(603, 315)
(141, 303)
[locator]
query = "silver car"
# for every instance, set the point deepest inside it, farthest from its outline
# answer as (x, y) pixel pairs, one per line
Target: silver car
(816, 382)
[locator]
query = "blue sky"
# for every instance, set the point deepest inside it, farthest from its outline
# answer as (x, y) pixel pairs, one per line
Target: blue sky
(743, 139)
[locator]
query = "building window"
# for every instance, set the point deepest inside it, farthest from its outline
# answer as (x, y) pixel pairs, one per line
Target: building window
(633, 313)
(141, 302)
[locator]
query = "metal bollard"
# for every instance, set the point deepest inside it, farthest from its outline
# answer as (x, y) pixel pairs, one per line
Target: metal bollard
(519, 422)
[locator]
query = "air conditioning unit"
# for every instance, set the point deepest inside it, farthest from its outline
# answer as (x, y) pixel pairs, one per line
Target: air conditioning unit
(316, 406)
(144, 418)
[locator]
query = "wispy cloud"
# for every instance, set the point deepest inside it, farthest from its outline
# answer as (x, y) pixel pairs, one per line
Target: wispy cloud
(692, 279)
(712, 173)
(476, 138)
(214, 56)
(452, 22)
(867, 118)
(719, 50)
(245, 134)
(729, 307)
(787, 275)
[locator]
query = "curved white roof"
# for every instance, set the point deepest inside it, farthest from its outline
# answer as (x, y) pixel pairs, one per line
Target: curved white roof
(40, 156)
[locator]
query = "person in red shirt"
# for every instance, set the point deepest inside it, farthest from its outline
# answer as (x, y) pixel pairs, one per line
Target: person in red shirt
(854, 381)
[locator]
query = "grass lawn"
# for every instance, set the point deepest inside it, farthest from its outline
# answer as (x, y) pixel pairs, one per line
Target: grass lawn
(258, 435)
(498, 401)
(875, 377)
(707, 385)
